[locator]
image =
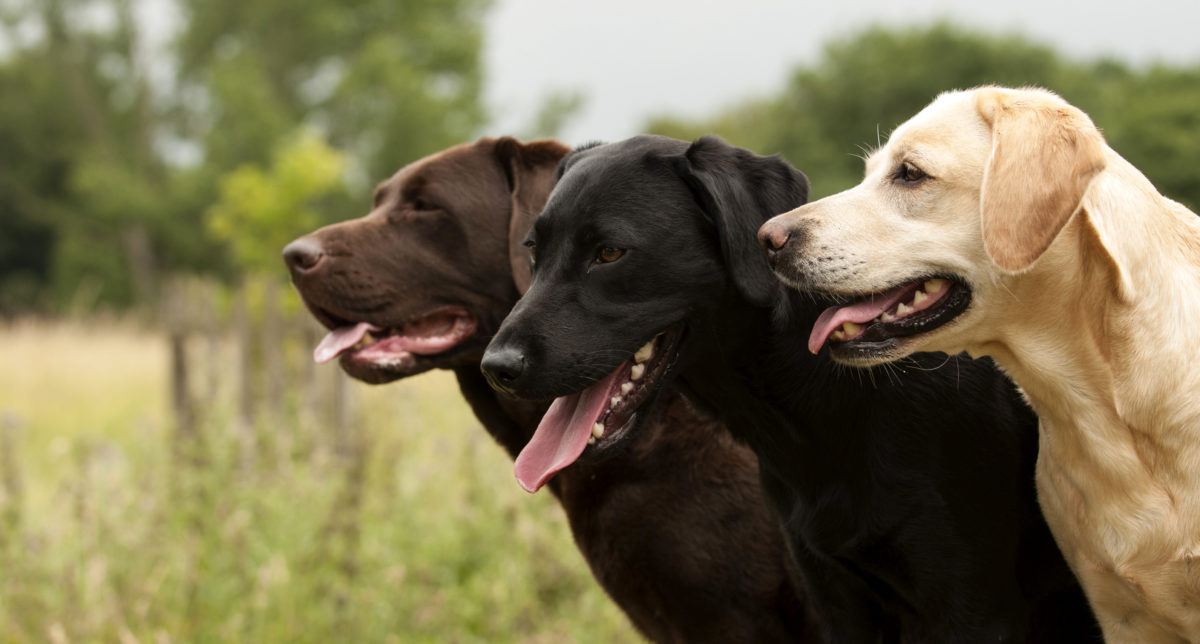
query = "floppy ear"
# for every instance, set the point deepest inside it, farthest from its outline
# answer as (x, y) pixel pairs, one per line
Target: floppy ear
(1044, 155)
(530, 170)
(739, 190)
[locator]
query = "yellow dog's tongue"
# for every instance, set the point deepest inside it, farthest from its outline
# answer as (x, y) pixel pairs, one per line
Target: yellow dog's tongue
(563, 434)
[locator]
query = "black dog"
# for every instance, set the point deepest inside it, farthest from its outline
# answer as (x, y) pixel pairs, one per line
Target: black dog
(423, 281)
(906, 495)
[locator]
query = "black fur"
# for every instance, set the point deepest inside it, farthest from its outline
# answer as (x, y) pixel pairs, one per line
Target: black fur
(680, 503)
(906, 494)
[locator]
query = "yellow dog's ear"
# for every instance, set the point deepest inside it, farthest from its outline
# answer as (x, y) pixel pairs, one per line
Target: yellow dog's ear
(1044, 155)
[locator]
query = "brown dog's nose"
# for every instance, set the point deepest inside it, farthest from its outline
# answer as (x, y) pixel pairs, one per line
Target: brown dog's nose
(773, 236)
(303, 254)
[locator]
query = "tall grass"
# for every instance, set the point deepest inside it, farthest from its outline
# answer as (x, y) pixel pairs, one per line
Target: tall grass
(114, 527)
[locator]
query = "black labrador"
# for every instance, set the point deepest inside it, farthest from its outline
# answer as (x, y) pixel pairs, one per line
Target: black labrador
(908, 522)
(674, 527)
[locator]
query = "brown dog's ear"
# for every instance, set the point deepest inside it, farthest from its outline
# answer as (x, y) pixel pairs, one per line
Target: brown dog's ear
(529, 168)
(1044, 155)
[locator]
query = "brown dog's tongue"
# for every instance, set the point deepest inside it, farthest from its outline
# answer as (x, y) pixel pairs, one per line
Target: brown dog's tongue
(563, 434)
(339, 340)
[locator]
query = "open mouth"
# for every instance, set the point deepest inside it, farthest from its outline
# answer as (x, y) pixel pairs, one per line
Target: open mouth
(396, 348)
(600, 418)
(872, 324)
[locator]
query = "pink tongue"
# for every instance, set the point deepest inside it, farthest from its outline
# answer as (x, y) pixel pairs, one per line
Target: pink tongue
(339, 340)
(563, 433)
(858, 313)
(426, 345)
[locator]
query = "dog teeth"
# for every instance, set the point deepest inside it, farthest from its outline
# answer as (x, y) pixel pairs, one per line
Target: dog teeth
(614, 401)
(919, 297)
(903, 309)
(597, 430)
(644, 353)
(935, 285)
(886, 317)
(847, 331)
(591, 440)
(636, 372)
(626, 387)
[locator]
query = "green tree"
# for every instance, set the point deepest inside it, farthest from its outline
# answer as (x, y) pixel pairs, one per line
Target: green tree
(107, 169)
(84, 112)
(845, 105)
(388, 81)
(261, 210)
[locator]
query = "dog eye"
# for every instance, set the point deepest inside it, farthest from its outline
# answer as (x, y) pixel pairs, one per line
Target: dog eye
(419, 204)
(532, 246)
(609, 254)
(909, 173)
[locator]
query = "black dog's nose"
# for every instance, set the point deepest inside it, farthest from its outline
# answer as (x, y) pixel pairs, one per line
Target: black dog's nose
(503, 367)
(773, 236)
(303, 254)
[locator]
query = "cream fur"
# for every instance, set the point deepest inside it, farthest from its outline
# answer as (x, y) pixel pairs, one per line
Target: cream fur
(1086, 290)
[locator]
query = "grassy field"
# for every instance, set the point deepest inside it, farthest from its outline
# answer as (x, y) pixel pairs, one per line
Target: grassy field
(114, 527)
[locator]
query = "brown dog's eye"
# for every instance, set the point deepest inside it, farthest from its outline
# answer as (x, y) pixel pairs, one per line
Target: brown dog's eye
(910, 173)
(609, 254)
(421, 204)
(532, 251)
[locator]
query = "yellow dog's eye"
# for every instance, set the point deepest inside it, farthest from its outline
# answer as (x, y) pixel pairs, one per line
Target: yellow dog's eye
(910, 173)
(609, 254)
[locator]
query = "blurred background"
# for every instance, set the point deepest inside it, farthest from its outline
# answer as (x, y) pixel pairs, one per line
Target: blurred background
(173, 467)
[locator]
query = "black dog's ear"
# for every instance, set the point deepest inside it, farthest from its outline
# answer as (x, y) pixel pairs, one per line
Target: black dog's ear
(739, 190)
(574, 156)
(530, 171)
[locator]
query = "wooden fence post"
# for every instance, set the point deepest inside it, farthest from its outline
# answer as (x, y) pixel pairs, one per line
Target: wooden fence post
(245, 378)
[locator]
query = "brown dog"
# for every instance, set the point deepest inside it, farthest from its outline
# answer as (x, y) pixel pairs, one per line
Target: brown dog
(674, 527)
(999, 222)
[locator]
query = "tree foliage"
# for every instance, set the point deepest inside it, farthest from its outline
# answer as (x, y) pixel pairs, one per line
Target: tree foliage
(115, 150)
(261, 210)
(113, 153)
(832, 113)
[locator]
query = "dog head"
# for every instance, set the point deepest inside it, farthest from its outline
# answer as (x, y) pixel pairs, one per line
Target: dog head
(413, 285)
(639, 242)
(968, 193)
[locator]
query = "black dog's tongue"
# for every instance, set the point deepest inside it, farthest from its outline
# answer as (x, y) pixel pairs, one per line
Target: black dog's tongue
(563, 434)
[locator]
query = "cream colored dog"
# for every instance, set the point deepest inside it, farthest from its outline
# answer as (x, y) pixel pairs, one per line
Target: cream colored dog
(999, 222)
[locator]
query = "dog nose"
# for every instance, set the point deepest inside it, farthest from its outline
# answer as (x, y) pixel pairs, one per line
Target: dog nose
(773, 236)
(503, 368)
(303, 254)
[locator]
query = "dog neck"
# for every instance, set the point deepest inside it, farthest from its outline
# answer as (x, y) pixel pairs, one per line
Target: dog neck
(1108, 365)
(725, 377)
(794, 409)
(509, 421)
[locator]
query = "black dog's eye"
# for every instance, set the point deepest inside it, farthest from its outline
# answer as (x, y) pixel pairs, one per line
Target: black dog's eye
(909, 173)
(532, 246)
(609, 254)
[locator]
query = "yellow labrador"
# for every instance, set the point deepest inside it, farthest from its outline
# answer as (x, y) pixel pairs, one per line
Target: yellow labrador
(998, 222)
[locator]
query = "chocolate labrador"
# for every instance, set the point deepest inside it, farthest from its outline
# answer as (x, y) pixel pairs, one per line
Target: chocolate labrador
(906, 495)
(674, 526)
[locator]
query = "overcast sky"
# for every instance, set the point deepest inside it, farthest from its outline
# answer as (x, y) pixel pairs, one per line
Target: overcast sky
(635, 58)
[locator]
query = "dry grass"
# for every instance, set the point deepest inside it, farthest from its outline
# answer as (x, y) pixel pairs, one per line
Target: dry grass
(114, 529)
